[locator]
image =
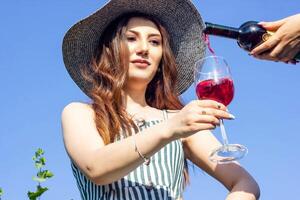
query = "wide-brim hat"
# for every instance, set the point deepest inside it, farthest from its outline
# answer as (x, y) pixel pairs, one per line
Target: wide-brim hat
(180, 18)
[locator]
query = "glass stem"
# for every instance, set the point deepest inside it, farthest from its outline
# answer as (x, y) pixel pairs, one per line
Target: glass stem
(223, 132)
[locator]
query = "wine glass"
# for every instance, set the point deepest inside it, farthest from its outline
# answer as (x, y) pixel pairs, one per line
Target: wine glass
(213, 81)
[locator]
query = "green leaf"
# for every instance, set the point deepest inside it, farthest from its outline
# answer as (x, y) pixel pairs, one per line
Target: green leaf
(43, 160)
(38, 179)
(45, 174)
(36, 155)
(38, 165)
(39, 152)
(49, 174)
(1, 192)
(33, 195)
(41, 176)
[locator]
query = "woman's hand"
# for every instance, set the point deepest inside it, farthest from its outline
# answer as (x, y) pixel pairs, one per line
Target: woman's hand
(284, 44)
(196, 116)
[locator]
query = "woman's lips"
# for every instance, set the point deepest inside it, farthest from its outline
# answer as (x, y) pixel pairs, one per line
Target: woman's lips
(141, 63)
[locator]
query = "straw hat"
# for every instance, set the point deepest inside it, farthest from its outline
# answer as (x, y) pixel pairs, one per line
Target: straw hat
(180, 18)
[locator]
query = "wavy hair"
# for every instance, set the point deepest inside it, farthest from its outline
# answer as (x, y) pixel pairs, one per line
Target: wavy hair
(108, 75)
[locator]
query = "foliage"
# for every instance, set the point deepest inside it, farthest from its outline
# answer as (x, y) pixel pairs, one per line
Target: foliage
(41, 176)
(1, 192)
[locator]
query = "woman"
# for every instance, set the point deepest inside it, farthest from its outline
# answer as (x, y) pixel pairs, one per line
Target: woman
(132, 140)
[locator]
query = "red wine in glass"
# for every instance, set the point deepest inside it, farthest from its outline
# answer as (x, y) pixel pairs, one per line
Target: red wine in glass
(220, 90)
(213, 81)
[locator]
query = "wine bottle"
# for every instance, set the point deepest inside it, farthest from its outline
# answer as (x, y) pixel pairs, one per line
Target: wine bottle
(248, 35)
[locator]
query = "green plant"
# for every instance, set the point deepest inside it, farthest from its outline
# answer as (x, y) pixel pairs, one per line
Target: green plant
(1, 192)
(41, 176)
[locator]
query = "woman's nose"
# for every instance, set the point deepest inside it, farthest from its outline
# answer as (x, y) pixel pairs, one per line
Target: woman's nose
(142, 48)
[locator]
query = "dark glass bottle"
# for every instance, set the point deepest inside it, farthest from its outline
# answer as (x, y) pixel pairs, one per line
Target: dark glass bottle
(248, 35)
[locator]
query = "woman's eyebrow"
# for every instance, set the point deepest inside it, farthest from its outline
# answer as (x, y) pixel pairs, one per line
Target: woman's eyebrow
(150, 35)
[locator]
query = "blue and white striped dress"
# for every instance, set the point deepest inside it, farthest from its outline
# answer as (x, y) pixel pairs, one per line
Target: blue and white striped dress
(165, 171)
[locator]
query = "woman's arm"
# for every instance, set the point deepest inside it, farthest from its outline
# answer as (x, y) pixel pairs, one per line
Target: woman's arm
(104, 164)
(101, 163)
(235, 178)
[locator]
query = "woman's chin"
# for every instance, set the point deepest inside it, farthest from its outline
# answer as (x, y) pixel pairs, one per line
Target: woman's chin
(139, 80)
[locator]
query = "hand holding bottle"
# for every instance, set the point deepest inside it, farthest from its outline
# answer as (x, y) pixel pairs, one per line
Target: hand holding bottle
(284, 44)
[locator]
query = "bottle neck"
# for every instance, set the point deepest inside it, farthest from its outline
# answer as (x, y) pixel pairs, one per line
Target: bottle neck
(220, 30)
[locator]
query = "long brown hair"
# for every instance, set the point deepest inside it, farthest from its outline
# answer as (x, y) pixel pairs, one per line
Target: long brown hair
(108, 75)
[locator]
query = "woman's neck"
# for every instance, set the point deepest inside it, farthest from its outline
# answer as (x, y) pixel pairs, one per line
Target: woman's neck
(137, 107)
(135, 101)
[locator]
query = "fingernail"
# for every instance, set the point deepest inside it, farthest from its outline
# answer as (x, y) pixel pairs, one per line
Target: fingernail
(231, 116)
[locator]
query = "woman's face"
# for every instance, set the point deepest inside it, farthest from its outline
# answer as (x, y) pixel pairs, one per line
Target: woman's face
(145, 50)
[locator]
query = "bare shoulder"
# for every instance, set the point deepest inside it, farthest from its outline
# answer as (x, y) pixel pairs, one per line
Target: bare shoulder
(77, 116)
(77, 106)
(77, 109)
(78, 124)
(80, 134)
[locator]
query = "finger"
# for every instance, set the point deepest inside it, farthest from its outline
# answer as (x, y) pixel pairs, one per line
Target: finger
(279, 53)
(290, 51)
(265, 56)
(211, 104)
(203, 126)
(267, 45)
(293, 61)
(284, 52)
(220, 114)
(210, 119)
(275, 25)
(286, 55)
(272, 26)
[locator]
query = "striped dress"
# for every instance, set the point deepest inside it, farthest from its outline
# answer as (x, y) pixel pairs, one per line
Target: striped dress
(165, 171)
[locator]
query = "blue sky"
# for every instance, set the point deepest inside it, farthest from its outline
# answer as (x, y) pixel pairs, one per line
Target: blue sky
(35, 87)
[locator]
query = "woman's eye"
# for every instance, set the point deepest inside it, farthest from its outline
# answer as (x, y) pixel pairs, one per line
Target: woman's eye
(155, 42)
(130, 38)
